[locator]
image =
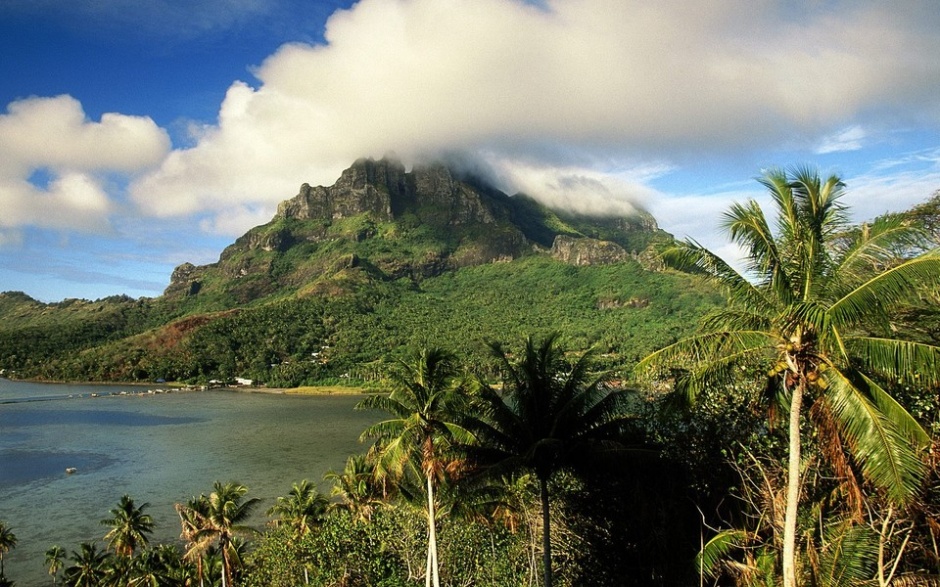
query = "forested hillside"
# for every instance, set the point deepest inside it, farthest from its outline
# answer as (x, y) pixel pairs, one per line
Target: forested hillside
(346, 276)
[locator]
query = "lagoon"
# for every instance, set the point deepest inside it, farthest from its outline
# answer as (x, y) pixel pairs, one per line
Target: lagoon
(161, 448)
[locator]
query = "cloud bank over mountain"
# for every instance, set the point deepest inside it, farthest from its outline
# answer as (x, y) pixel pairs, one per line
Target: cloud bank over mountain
(588, 85)
(588, 104)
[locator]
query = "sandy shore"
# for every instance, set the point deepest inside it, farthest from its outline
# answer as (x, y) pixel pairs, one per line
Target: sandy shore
(306, 390)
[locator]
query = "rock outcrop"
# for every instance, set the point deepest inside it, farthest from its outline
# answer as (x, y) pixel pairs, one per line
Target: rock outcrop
(367, 186)
(379, 221)
(184, 280)
(587, 251)
(385, 190)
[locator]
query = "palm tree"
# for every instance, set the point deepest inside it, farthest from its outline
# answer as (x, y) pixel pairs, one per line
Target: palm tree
(549, 415)
(129, 527)
(218, 518)
(815, 318)
(426, 400)
(156, 567)
(193, 516)
(55, 558)
(356, 487)
(301, 508)
(88, 568)
(7, 543)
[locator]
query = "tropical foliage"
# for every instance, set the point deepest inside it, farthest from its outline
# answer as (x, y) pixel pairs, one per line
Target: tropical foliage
(624, 310)
(812, 316)
(427, 400)
(130, 527)
(219, 519)
(549, 414)
(7, 543)
(301, 509)
(790, 439)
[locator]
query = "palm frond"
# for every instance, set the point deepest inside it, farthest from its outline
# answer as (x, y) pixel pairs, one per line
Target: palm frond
(737, 318)
(747, 226)
(886, 456)
(703, 348)
(716, 551)
(916, 580)
(875, 247)
(706, 359)
(849, 555)
(692, 257)
(900, 361)
(886, 289)
(895, 413)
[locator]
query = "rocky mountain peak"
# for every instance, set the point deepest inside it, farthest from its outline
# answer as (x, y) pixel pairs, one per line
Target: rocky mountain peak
(384, 189)
(379, 221)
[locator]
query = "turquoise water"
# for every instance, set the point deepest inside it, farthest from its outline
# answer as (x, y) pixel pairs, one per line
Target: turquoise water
(160, 448)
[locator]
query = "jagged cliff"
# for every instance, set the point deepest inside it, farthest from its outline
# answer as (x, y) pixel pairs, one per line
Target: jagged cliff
(381, 222)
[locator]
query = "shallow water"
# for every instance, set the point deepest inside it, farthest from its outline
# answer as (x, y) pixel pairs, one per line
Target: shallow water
(157, 448)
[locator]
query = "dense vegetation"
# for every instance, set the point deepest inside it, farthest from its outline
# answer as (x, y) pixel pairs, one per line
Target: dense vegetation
(622, 309)
(343, 277)
(791, 437)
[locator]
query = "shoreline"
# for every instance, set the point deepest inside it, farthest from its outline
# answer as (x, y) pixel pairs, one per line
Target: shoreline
(176, 387)
(302, 390)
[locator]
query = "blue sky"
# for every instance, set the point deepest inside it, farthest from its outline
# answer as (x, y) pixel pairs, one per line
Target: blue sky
(135, 136)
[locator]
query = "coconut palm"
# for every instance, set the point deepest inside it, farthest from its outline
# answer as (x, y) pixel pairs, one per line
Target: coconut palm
(156, 567)
(813, 314)
(129, 527)
(549, 414)
(303, 507)
(356, 487)
(219, 518)
(55, 558)
(88, 568)
(193, 515)
(426, 402)
(7, 543)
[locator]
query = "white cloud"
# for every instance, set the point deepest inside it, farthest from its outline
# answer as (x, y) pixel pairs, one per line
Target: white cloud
(73, 201)
(559, 85)
(849, 139)
(52, 136)
(578, 189)
(54, 133)
(874, 194)
(234, 222)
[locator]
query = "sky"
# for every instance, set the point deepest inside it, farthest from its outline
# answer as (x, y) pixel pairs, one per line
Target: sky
(136, 136)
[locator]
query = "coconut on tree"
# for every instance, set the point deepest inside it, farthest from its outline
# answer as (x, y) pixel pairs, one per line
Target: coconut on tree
(812, 313)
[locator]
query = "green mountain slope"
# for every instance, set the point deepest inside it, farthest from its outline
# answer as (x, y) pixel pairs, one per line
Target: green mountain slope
(347, 275)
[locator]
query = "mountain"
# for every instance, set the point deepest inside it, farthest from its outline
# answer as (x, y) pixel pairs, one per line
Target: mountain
(381, 223)
(347, 275)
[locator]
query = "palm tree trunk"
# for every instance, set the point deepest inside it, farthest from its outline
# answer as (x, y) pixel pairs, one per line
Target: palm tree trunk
(226, 579)
(432, 535)
(793, 489)
(427, 568)
(546, 534)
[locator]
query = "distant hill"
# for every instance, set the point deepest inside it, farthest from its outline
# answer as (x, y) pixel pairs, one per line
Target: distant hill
(347, 275)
